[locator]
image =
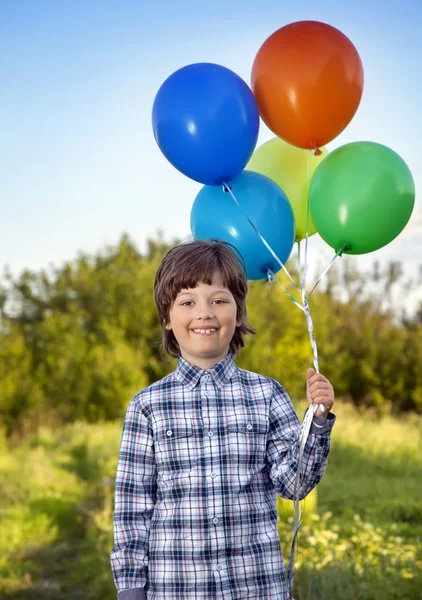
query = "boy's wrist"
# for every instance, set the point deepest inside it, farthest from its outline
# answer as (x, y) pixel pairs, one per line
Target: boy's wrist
(323, 426)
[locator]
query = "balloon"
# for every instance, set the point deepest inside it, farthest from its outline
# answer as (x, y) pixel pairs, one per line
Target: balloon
(206, 122)
(291, 168)
(361, 197)
(215, 215)
(308, 80)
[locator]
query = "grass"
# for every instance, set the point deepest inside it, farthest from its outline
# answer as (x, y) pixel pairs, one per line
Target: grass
(364, 539)
(361, 539)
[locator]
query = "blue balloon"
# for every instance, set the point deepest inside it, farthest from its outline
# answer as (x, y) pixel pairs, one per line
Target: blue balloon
(215, 215)
(206, 122)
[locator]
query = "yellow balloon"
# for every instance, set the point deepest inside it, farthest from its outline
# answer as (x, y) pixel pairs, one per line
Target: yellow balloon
(291, 168)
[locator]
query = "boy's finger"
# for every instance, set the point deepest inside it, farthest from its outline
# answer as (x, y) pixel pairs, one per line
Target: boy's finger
(318, 378)
(310, 372)
(322, 400)
(321, 394)
(319, 385)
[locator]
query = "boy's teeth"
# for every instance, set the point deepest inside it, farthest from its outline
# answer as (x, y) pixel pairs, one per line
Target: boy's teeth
(204, 330)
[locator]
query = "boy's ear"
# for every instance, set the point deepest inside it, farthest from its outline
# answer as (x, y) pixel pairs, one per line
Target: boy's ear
(168, 326)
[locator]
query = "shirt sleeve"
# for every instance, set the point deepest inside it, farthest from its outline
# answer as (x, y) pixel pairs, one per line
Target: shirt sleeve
(133, 594)
(283, 447)
(135, 497)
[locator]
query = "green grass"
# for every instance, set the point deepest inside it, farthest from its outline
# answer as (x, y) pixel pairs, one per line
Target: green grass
(365, 539)
(360, 540)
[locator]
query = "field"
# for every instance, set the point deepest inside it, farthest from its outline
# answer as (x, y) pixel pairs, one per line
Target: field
(362, 540)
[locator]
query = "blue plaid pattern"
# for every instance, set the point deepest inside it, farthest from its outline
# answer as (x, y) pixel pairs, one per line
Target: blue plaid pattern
(203, 455)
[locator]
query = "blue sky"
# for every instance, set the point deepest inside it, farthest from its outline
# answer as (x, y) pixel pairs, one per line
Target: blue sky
(79, 164)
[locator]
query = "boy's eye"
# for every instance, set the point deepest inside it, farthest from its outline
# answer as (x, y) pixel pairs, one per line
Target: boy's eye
(190, 302)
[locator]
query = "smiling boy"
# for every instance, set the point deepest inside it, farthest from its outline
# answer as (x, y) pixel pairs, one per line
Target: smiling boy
(203, 320)
(206, 449)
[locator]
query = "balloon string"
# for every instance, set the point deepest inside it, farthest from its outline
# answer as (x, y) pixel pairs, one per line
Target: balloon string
(227, 188)
(298, 515)
(328, 267)
(271, 277)
(307, 422)
(304, 306)
(298, 261)
(303, 280)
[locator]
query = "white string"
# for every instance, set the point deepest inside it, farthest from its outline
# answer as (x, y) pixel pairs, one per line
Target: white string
(325, 271)
(271, 277)
(307, 421)
(298, 260)
(227, 188)
(303, 280)
(304, 434)
(330, 264)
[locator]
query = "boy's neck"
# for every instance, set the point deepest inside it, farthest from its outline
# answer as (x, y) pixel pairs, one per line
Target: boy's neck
(204, 363)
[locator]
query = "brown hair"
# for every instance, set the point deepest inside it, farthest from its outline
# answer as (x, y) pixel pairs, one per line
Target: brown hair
(190, 263)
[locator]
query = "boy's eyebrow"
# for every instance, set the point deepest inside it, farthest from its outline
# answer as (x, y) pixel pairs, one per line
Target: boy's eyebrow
(219, 291)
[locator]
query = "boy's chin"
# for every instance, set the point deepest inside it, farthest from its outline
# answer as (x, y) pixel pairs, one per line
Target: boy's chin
(207, 354)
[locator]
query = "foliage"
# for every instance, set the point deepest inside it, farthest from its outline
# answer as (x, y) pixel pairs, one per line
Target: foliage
(362, 540)
(77, 342)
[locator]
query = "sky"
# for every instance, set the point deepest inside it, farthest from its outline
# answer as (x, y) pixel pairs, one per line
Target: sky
(78, 161)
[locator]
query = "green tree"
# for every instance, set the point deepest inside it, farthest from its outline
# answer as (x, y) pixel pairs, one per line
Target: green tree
(78, 341)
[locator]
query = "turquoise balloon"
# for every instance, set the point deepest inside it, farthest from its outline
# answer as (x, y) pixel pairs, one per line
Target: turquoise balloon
(215, 215)
(361, 197)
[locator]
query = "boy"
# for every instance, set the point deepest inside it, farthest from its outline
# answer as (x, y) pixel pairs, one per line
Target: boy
(205, 450)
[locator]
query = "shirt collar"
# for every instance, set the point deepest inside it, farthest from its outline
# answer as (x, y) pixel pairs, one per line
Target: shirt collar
(190, 374)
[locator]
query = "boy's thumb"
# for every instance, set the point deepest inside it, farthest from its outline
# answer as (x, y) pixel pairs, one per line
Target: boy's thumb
(310, 372)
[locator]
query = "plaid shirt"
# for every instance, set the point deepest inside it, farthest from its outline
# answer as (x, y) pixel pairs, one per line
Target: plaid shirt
(203, 455)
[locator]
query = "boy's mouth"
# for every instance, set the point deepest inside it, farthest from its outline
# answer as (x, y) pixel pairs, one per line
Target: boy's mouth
(205, 332)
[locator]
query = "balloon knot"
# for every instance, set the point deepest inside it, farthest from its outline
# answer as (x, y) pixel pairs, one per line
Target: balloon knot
(317, 152)
(342, 249)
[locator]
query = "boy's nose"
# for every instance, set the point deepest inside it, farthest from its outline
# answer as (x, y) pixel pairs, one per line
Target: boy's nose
(205, 316)
(204, 313)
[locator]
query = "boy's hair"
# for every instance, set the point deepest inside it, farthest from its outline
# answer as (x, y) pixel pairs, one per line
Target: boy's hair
(194, 262)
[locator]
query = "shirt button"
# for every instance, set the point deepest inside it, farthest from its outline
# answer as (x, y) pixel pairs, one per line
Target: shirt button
(210, 433)
(207, 377)
(207, 393)
(219, 567)
(249, 426)
(213, 474)
(215, 521)
(169, 432)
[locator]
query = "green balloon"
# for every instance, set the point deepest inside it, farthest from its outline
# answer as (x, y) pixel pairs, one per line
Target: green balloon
(361, 197)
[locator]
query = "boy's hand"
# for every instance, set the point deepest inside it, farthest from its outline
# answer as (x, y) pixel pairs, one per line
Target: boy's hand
(319, 391)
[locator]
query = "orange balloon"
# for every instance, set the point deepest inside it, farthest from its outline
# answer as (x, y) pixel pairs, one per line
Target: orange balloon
(308, 80)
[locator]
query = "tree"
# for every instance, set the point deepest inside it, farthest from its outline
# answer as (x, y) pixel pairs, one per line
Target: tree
(79, 341)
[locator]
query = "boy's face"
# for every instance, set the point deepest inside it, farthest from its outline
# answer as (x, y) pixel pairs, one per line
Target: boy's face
(203, 320)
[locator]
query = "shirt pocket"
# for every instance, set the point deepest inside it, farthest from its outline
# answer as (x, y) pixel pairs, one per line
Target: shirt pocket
(247, 439)
(175, 448)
